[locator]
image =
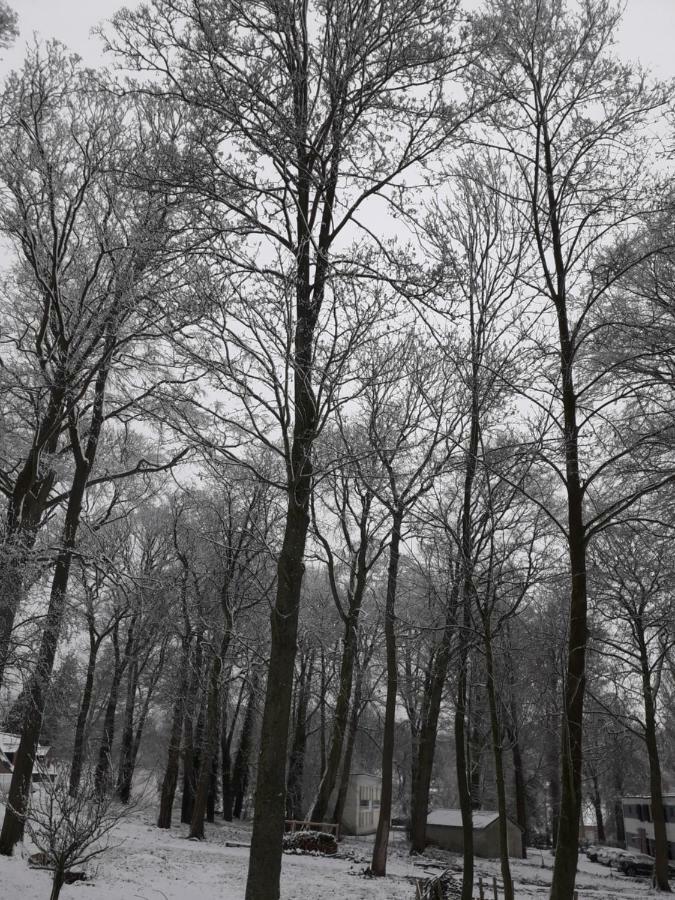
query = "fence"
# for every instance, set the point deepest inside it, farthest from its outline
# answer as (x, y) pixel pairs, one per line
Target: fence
(434, 888)
(302, 825)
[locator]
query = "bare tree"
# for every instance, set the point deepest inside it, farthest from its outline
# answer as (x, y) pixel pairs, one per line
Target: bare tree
(570, 117)
(70, 829)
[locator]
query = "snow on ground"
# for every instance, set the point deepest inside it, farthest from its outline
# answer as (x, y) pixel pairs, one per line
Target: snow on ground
(145, 863)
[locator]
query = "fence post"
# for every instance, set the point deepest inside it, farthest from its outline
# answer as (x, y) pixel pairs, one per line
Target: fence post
(576, 895)
(480, 887)
(494, 888)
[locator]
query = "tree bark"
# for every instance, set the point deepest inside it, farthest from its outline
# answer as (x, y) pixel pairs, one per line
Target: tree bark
(189, 777)
(242, 760)
(655, 781)
(103, 772)
(170, 780)
(83, 714)
(296, 763)
(19, 790)
(497, 732)
(209, 750)
(349, 750)
(431, 708)
(597, 807)
(125, 770)
(350, 641)
(379, 862)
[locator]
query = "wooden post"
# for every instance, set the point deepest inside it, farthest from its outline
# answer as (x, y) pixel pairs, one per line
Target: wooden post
(494, 888)
(576, 895)
(480, 888)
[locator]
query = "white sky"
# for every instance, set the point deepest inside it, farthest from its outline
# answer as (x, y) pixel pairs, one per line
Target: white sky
(647, 32)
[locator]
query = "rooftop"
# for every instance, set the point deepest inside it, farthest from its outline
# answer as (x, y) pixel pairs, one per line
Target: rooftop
(452, 818)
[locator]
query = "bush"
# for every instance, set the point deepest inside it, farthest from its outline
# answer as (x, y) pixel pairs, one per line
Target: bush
(310, 842)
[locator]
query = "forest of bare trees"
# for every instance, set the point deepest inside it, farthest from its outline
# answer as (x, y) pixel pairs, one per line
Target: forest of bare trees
(337, 353)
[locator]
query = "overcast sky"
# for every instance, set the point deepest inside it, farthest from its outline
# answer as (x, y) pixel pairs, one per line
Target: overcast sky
(647, 33)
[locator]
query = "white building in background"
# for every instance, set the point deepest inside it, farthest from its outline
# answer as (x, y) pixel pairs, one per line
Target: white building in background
(9, 744)
(639, 824)
(362, 804)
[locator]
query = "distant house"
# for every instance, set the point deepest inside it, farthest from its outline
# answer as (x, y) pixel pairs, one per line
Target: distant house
(362, 804)
(639, 823)
(444, 828)
(9, 744)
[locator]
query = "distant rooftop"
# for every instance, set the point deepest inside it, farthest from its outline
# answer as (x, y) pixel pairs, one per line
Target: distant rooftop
(452, 818)
(9, 743)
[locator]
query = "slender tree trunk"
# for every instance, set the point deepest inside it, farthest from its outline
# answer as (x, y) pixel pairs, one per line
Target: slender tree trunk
(125, 770)
(461, 761)
(170, 780)
(270, 800)
(209, 750)
(58, 880)
(519, 786)
(554, 790)
(226, 766)
(212, 797)
(349, 750)
(655, 781)
(25, 509)
(296, 763)
(379, 861)
(339, 727)
(618, 823)
(189, 776)
(83, 714)
(496, 730)
(567, 846)
(19, 790)
(103, 772)
(597, 807)
(226, 741)
(431, 709)
(242, 762)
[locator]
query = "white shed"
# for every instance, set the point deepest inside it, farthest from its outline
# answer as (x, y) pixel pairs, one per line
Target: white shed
(362, 804)
(9, 744)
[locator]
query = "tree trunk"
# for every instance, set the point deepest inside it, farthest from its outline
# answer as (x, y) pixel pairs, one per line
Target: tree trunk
(519, 786)
(58, 880)
(125, 771)
(349, 750)
(103, 772)
(170, 780)
(209, 750)
(461, 761)
(25, 509)
(379, 861)
(189, 776)
(19, 790)
(242, 762)
(296, 762)
(567, 846)
(270, 800)
(496, 730)
(619, 827)
(655, 782)
(431, 708)
(597, 806)
(83, 714)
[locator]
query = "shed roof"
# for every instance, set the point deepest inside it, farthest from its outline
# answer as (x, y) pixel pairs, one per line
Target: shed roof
(9, 743)
(452, 818)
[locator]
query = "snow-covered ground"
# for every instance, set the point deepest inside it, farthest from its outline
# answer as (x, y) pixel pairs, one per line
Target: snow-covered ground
(145, 863)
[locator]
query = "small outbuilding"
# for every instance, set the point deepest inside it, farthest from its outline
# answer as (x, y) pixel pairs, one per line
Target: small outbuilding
(362, 804)
(9, 744)
(444, 829)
